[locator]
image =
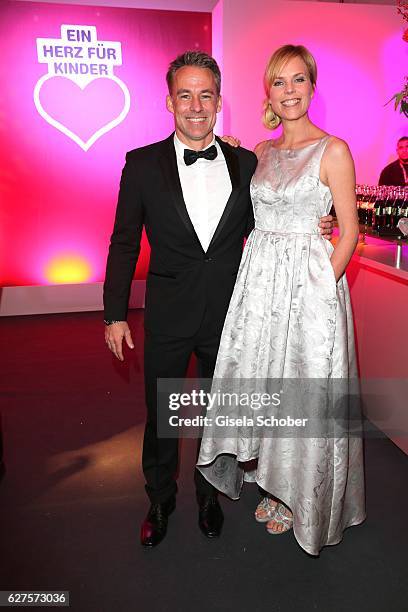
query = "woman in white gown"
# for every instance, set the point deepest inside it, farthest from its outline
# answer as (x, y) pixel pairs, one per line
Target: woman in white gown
(290, 318)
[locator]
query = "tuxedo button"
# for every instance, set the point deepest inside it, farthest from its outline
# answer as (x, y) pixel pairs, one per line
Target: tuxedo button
(208, 259)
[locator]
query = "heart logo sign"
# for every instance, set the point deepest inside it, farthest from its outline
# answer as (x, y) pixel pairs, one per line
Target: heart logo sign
(80, 95)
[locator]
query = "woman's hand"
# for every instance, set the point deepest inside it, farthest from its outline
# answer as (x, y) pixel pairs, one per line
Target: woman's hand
(231, 140)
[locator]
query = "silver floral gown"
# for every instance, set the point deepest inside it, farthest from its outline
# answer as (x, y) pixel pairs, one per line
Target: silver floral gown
(288, 319)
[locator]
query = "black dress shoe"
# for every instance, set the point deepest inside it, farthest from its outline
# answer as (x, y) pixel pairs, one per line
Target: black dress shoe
(210, 516)
(154, 527)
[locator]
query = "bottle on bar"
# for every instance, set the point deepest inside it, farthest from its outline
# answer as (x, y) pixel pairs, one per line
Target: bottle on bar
(404, 207)
(394, 214)
(387, 208)
(370, 206)
(360, 198)
(399, 204)
(378, 209)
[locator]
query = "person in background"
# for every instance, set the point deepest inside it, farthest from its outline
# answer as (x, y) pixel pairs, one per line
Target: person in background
(396, 173)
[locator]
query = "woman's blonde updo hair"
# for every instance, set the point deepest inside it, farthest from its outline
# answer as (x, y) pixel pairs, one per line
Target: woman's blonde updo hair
(274, 66)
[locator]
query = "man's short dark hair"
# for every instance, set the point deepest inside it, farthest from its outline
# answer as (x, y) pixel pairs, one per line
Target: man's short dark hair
(402, 138)
(194, 58)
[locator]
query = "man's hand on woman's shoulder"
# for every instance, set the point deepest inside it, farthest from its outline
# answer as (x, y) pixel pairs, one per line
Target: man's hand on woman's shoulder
(231, 140)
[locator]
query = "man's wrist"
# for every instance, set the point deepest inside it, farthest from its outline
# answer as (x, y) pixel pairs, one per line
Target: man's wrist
(111, 321)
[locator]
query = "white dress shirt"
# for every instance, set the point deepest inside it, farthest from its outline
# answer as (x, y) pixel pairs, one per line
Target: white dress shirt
(206, 187)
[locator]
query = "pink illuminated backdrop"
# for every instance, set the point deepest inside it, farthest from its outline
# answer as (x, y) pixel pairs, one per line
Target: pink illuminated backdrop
(57, 199)
(362, 61)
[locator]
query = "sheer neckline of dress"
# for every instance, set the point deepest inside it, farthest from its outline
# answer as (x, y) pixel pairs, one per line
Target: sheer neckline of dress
(312, 144)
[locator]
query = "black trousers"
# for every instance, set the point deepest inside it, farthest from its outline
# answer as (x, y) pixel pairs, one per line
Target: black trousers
(168, 357)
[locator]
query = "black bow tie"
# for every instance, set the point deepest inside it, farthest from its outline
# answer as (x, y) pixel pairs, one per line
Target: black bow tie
(190, 157)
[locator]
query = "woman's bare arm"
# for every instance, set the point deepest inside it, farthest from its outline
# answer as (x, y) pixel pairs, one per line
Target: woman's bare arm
(337, 171)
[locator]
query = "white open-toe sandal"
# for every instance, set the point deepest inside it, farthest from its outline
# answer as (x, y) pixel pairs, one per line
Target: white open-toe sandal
(281, 518)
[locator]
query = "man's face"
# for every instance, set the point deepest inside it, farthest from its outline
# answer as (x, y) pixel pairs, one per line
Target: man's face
(402, 151)
(194, 103)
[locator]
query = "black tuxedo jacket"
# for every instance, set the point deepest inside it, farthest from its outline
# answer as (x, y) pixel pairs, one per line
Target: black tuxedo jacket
(183, 280)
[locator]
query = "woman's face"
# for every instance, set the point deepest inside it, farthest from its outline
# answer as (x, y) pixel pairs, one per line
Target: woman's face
(291, 92)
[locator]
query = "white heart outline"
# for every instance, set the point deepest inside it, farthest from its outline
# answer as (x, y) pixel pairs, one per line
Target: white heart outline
(62, 128)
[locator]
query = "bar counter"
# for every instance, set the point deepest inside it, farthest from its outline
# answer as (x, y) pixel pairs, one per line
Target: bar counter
(379, 293)
(382, 254)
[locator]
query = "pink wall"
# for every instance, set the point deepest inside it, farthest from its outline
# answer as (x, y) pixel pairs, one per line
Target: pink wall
(361, 60)
(57, 199)
(382, 349)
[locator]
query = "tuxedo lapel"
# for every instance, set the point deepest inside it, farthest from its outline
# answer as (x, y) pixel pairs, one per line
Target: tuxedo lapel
(233, 168)
(168, 163)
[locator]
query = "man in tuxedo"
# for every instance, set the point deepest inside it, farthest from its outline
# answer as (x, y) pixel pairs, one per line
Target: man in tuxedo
(191, 193)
